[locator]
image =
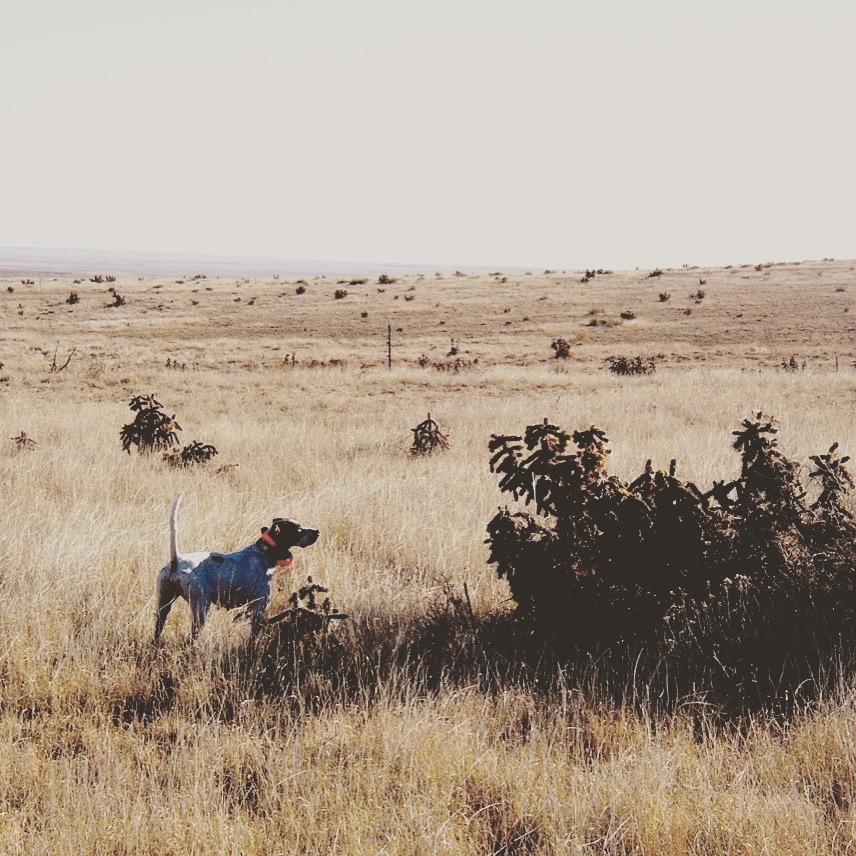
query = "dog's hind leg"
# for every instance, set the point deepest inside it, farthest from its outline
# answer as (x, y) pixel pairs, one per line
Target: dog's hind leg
(166, 595)
(199, 603)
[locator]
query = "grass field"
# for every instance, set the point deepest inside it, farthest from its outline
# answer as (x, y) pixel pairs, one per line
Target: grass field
(108, 745)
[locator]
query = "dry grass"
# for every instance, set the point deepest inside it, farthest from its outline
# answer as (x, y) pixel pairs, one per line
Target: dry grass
(108, 746)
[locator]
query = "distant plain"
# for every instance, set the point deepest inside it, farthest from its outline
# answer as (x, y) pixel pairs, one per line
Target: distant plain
(109, 746)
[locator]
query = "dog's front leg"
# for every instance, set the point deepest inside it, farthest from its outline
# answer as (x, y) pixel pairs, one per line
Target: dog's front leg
(255, 612)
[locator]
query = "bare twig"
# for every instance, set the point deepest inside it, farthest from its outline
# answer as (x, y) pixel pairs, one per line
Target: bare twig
(57, 368)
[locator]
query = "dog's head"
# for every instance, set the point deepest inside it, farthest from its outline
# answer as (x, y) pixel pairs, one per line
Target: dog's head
(276, 542)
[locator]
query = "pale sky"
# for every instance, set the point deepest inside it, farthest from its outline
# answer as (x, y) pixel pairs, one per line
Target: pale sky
(535, 133)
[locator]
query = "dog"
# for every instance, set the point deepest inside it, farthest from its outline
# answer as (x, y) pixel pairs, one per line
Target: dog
(230, 580)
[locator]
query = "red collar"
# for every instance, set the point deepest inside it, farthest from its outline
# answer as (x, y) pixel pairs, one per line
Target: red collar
(282, 563)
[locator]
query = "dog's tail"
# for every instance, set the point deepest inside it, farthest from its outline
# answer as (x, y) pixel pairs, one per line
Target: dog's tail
(173, 533)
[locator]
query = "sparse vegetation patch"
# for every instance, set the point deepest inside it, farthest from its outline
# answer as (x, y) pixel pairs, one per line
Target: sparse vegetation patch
(452, 366)
(792, 365)
(632, 365)
(191, 454)
(561, 348)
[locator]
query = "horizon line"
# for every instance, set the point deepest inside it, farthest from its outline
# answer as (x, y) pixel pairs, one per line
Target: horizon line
(68, 261)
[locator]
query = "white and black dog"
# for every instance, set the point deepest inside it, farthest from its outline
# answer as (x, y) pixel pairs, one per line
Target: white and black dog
(230, 580)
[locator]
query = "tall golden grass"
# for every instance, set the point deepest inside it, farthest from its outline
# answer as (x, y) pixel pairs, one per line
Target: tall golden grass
(108, 745)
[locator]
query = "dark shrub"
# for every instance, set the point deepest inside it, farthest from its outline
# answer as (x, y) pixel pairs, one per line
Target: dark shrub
(151, 429)
(604, 559)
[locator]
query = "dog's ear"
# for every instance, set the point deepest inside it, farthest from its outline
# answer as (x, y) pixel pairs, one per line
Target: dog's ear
(264, 529)
(277, 526)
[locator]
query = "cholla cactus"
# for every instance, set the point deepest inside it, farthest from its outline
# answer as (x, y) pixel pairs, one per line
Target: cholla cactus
(151, 429)
(193, 453)
(562, 348)
(601, 557)
(428, 438)
(769, 480)
(835, 482)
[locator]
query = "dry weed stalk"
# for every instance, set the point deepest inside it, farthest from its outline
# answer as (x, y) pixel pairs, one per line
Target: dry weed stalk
(54, 366)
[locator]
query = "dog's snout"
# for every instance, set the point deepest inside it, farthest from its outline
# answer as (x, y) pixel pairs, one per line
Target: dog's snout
(307, 537)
